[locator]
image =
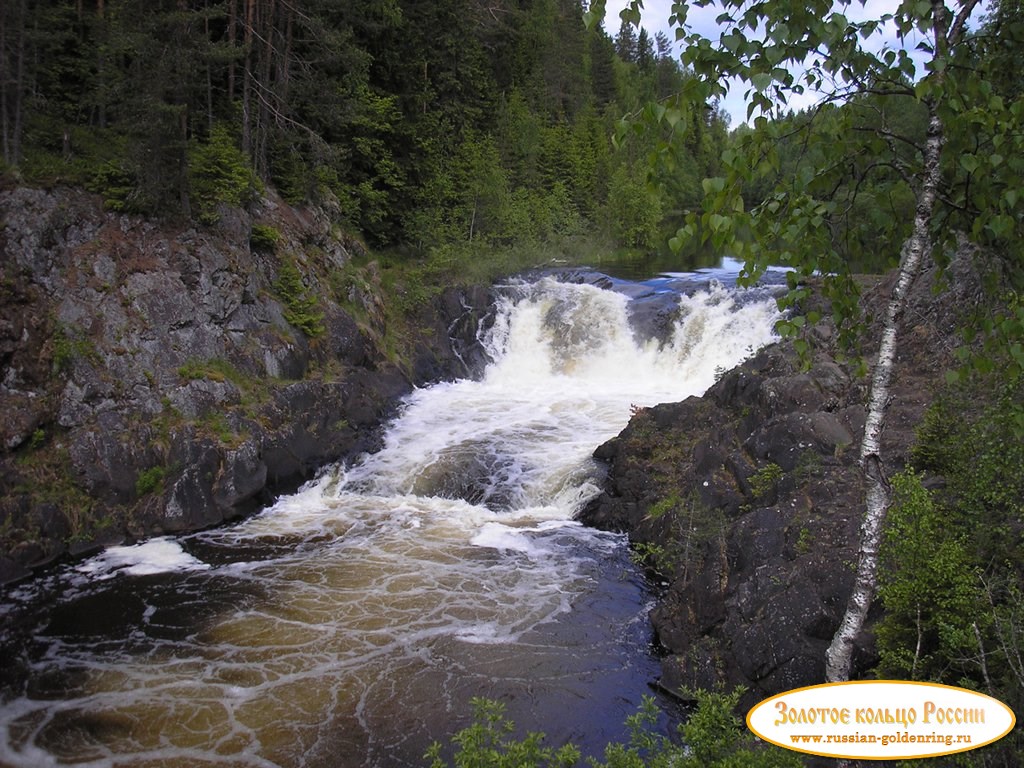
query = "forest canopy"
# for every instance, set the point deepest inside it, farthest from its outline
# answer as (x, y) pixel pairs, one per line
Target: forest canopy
(421, 124)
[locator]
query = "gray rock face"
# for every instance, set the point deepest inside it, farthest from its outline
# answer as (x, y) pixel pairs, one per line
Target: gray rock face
(151, 381)
(747, 501)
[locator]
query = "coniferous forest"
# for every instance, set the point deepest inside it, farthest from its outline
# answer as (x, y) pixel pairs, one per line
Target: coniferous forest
(423, 124)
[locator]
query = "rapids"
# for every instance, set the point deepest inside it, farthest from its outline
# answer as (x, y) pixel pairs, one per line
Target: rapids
(351, 623)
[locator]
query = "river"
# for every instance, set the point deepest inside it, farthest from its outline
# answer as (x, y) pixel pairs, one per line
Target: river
(350, 624)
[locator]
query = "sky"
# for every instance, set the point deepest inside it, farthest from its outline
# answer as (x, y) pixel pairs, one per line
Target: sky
(702, 20)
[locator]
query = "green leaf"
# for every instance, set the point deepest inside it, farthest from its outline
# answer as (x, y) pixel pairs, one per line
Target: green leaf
(734, 41)
(761, 81)
(1002, 226)
(969, 163)
(595, 14)
(779, 33)
(631, 13)
(868, 28)
(713, 185)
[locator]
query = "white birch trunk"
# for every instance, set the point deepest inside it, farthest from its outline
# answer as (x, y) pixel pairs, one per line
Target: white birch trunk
(917, 248)
(948, 29)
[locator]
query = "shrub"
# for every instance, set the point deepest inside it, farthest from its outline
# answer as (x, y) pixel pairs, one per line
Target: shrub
(763, 482)
(951, 556)
(713, 737)
(264, 237)
(68, 346)
(150, 480)
(37, 439)
(633, 211)
(301, 308)
(486, 743)
(219, 173)
(214, 369)
(117, 184)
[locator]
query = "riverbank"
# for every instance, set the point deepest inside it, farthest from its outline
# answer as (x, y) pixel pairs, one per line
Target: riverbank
(161, 378)
(746, 503)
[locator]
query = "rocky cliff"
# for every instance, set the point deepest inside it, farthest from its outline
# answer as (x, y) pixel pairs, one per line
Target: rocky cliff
(157, 379)
(746, 502)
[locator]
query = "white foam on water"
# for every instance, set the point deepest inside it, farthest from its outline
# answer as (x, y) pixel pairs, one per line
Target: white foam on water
(506, 538)
(161, 555)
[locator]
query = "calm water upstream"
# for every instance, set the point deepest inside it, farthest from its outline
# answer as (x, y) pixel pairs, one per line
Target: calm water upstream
(351, 623)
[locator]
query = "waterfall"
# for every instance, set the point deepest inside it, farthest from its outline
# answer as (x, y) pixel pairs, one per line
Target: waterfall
(350, 623)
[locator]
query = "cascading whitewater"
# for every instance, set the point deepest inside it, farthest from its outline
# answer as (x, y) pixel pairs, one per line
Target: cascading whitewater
(351, 622)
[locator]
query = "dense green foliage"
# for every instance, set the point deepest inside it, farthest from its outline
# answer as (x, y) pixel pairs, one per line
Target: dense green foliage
(461, 124)
(712, 737)
(487, 744)
(301, 306)
(953, 557)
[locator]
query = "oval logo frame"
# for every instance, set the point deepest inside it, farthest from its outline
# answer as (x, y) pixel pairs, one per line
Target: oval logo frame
(881, 719)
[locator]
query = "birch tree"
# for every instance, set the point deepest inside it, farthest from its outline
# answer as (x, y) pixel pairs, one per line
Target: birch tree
(849, 66)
